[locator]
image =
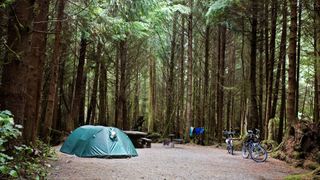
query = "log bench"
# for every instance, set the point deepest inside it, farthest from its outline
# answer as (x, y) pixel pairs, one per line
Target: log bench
(136, 137)
(146, 142)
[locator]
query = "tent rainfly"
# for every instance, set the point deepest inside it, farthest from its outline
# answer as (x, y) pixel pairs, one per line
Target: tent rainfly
(98, 141)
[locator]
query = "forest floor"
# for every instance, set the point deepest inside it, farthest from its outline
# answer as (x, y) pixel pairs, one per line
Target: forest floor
(181, 162)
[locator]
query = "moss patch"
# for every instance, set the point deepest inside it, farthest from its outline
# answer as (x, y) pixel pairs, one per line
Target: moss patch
(299, 177)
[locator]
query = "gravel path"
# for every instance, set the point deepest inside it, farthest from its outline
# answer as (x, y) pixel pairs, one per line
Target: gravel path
(181, 162)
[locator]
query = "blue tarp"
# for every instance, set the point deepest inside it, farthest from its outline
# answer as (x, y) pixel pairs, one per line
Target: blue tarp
(198, 130)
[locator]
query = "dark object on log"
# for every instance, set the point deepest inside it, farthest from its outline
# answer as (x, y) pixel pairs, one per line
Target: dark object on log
(146, 142)
(138, 125)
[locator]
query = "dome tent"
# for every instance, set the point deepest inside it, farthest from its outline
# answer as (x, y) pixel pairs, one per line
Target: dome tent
(98, 141)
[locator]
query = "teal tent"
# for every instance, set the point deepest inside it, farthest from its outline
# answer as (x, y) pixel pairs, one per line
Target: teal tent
(98, 141)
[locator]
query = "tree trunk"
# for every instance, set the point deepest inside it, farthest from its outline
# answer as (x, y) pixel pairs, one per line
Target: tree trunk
(73, 117)
(282, 59)
(243, 100)
(292, 54)
(13, 92)
(189, 110)
(271, 96)
(270, 66)
(103, 93)
(206, 77)
(317, 61)
(152, 94)
(298, 58)
(266, 51)
(91, 114)
(123, 116)
(220, 80)
(116, 90)
(261, 78)
(82, 103)
(54, 74)
(170, 84)
(136, 104)
(35, 61)
(254, 118)
(181, 82)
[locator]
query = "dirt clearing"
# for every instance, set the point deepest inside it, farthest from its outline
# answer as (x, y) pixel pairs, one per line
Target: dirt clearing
(181, 162)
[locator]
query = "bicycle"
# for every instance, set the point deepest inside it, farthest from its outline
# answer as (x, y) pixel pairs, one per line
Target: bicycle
(229, 141)
(252, 147)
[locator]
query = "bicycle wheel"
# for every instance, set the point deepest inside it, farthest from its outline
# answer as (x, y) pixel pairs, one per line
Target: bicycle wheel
(258, 153)
(245, 151)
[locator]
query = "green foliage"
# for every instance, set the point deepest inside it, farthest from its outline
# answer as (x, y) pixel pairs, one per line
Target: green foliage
(17, 159)
(6, 3)
(218, 8)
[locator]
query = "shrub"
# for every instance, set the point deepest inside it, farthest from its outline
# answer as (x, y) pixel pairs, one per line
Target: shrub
(18, 159)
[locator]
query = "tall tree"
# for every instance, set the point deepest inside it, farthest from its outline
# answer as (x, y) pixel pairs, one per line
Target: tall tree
(54, 73)
(253, 118)
(13, 90)
(220, 80)
(298, 56)
(317, 60)
(272, 96)
(152, 94)
(36, 61)
(181, 77)
(206, 76)
(292, 54)
(103, 93)
(189, 110)
(282, 59)
(116, 87)
(73, 116)
(270, 66)
(170, 83)
(93, 102)
(123, 115)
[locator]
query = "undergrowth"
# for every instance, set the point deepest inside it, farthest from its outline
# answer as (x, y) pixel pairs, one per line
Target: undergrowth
(18, 160)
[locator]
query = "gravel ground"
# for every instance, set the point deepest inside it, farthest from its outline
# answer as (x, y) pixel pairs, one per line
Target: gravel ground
(181, 162)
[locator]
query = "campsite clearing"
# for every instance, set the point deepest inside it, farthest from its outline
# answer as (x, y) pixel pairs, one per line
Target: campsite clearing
(181, 162)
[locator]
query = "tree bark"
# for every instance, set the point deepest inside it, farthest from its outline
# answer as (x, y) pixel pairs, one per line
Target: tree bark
(272, 96)
(266, 51)
(54, 74)
(220, 80)
(206, 77)
(103, 93)
(261, 83)
(189, 109)
(170, 83)
(317, 61)
(13, 92)
(298, 57)
(73, 116)
(282, 59)
(123, 116)
(292, 54)
(254, 118)
(270, 66)
(152, 95)
(116, 90)
(91, 114)
(35, 61)
(181, 82)
(82, 103)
